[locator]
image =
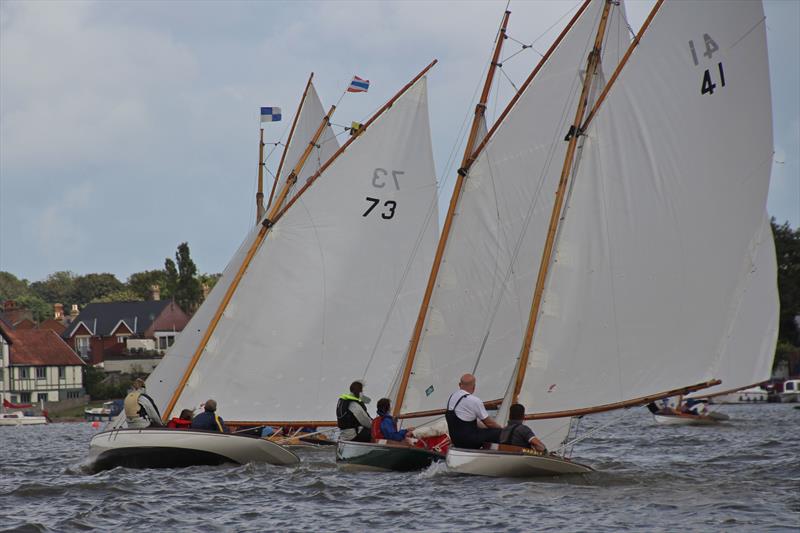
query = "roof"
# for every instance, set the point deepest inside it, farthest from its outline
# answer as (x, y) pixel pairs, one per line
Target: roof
(102, 319)
(38, 347)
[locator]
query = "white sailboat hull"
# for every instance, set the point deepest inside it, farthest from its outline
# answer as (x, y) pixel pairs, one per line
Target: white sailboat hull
(169, 448)
(510, 464)
(21, 420)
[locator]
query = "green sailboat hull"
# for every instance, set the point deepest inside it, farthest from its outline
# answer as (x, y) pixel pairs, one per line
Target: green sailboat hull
(380, 457)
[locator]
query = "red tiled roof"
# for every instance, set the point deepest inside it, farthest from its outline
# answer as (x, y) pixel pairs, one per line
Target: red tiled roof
(39, 348)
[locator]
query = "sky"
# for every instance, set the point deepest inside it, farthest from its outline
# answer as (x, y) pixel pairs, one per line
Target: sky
(127, 127)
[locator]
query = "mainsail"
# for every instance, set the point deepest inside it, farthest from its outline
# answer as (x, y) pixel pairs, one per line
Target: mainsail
(664, 204)
(477, 314)
(161, 383)
(331, 293)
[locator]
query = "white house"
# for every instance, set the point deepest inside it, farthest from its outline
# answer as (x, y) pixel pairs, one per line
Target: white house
(36, 365)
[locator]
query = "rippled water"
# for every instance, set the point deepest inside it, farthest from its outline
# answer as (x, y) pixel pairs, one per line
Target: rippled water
(744, 475)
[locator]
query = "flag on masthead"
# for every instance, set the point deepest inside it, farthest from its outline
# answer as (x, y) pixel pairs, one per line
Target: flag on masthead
(358, 85)
(270, 114)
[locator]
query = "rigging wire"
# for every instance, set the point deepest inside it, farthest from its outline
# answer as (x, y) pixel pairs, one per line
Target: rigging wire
(573, 442)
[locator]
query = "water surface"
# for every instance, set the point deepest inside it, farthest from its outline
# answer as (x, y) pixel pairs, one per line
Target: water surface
(741, 475)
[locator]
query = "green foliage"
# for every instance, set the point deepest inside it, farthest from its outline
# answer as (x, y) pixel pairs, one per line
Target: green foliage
(787, 247)
(209, 280)
(91, 287)
(187, 292)
(124, 295)
(170, 278)
(99, 386)
(40, 309)
(58, 287)
(11, 287)
(140, 283)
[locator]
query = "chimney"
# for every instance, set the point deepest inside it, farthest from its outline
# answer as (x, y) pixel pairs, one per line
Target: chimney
(204, 286)
(9, 305)
(155, 293)
(58, 311)
(73, 313)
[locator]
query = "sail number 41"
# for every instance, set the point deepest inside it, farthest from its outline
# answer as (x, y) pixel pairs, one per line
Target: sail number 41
(708, 85)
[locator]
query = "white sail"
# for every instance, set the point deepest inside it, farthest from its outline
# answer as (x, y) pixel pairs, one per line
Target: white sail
(333, 291)
(311, 115)
(162, 382)
(667, 198)
(481, 300)
(750, 344)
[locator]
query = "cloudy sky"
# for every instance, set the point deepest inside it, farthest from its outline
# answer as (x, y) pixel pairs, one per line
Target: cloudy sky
(129, 127)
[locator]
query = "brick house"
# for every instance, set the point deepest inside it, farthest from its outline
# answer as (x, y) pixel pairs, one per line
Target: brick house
(103, 329)
(37, 365)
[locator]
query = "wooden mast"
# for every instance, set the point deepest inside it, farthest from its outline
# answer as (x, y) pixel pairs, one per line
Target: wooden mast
(480, 111)
(289, 139)
(274, 215)
(592, 64)
(290, 180)
(621, 64)
(260, 193)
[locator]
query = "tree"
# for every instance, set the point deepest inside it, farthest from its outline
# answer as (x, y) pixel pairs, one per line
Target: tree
(181, 281)
(787, 248)
(209, 280)
(58, 287)
(93, 286)
(124, 295)
(12, 287)
(141, 282)
(40, 309)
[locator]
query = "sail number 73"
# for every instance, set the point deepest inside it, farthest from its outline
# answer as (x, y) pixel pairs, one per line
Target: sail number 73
(380, 179)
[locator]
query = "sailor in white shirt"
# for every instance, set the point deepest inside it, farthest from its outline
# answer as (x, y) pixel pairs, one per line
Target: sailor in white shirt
(464, 409)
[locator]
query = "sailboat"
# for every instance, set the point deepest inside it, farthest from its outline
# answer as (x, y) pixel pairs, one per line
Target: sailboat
(655, 225)
(321, 291)
(469, 313)
(606, 228)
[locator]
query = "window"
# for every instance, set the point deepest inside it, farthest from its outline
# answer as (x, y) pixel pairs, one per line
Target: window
(41, 372)
(62, 372)
(24, 397)
(82, 346)
(165, 341)
(23, 373)
(73, 394)
(41, 397)
(121, 338)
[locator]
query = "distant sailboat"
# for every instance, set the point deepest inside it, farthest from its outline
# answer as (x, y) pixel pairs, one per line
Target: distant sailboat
(323, 290)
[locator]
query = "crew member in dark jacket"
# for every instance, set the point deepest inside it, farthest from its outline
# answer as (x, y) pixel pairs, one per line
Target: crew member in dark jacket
(208, 419)
(517, 433)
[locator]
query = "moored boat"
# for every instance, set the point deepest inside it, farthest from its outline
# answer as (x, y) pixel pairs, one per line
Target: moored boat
(19, 418)
(173, 448)
(384, 455)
